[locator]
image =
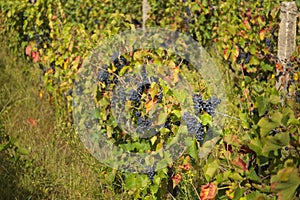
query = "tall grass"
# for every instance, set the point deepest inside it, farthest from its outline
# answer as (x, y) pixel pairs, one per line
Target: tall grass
(53, 163)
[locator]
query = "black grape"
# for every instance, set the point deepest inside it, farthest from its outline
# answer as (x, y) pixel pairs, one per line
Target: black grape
(194, 126)
(159, 97)
(211, 104)
(198, 103)
(150, 171)
(135, 97)
(143, 124)
(247, 58)
(119, 63)
(70, 92)
(103, 75)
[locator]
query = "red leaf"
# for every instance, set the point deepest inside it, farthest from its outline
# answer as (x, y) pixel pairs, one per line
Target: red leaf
(32, 121)
(28, 50)
(176, 179)
(208, 191)
(35, 56)
(247, 24)
(240, 163)
(186, 166)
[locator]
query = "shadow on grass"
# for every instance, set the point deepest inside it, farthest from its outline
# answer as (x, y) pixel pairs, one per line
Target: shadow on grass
(10, 173)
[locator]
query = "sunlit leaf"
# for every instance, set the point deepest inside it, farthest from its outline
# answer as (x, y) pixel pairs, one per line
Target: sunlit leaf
(285, 183)
(208, 191)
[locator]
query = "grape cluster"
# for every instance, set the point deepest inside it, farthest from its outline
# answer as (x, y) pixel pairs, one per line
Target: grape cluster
(135, 95)
(208, 106)
(103, 76)
(143, 124)
(198, 103)
(194, 126)
(150, 171)
(243, 57)
(120, 62)
(269, 45)
(135, 98)
(211, 104)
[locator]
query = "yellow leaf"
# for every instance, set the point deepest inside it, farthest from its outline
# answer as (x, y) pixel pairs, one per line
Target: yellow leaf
(149, 105)
(262, 34)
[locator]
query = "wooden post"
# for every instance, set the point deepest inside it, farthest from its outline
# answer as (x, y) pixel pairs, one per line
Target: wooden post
(286, 42)
(146, 9)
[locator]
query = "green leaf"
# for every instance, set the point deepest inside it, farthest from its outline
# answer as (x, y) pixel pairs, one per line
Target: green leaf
(235, 176)
(238, 193)
(244, 118)
(181, 95)
(285, 183)
(256, 195)
(255, 145)
(130, 181)
(210, 169)
(273, 143)
(176, 113)
(266, 125)
(266, 67)
(254, 60)
(293, 121)
(3, 146)
(162, 117)
(258, 88)
(274, 99)
(261, 105)
(23, 151)
(206, 119)
(253, 176)
(192, 147)
(276, 117)
(287, 113)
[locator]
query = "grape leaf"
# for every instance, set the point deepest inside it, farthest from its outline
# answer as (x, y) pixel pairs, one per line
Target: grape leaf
(273, 143)
(285, 183)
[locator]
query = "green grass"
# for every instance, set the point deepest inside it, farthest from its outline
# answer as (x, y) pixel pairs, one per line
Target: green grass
(57, 165)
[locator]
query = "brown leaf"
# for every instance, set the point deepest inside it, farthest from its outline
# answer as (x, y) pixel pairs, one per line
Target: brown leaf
(176, 179)
(208, 191)
(240, 163)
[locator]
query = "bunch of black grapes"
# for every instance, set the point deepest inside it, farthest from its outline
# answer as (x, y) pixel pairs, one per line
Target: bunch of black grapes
(135, 97)
(243, 57)
(208, 106)
(103, 74)
(150, 171)
(194, 126)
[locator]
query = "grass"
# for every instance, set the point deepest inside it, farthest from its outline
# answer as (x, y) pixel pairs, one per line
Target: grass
(56, 165)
